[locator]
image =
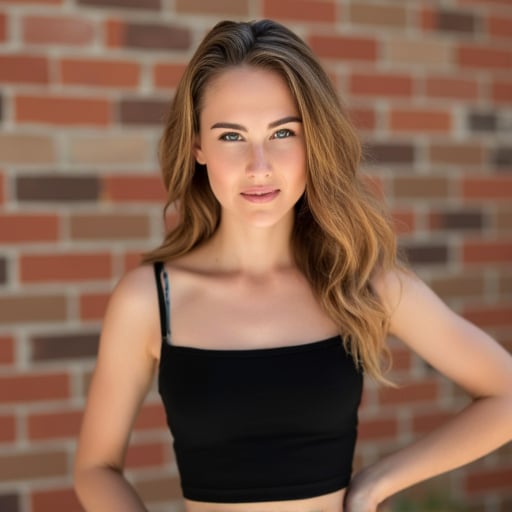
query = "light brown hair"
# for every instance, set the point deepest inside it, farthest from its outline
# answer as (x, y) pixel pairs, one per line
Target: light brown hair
(341, 234)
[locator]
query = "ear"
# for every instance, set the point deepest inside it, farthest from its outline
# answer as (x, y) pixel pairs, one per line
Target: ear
(198, 152)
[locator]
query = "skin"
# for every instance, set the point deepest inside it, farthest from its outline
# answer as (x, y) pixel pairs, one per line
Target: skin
(249, 293)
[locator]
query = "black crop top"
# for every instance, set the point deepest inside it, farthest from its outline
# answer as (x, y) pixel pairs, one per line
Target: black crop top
(259, 425)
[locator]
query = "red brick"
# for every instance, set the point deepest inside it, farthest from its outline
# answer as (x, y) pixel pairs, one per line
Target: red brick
(428, 20)
(363, 118)
(401, 358)
(489, 479)
(93, 305)
(420, 120)
(30, 388)
(65, 267)
(381, 429)
(2, 188)
(151, 416)
(484, 57)
(380, 84)
(15, 228)
(493, 187)
(344, 47)
(130, 188)
(448, 87)
(303, 10)
(499, 26)
(115, 33)
(64, 424)
(227, 9)
(7, 353)
(489, 316)
(23, 69)
(404, 221)
(3, 27)
(132, 260)
(426, 422)
(411, 393)
(7, 429)
(100, 73)
(32, 2)
(62, 111)
(144, 455)
(487, 252)
(57, 30)
(167, 75)
(55, 499)
(502, 91)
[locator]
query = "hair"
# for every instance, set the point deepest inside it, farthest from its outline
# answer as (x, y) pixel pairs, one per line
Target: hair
(342, 234)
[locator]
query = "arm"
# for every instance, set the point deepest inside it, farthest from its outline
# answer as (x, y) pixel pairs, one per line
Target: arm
(467, 356)
(123, 374)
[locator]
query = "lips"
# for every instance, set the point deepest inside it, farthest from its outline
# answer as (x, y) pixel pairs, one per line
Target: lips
(260, 194)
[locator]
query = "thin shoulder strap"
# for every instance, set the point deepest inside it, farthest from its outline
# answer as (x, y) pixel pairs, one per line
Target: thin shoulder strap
(163, 301)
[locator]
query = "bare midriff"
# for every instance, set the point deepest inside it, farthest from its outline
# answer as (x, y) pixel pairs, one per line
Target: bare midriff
(332, 502)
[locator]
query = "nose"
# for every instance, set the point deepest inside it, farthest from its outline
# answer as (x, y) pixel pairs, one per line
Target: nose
(258, 162)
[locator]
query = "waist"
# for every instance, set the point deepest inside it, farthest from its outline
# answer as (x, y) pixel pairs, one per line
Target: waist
(331, 502)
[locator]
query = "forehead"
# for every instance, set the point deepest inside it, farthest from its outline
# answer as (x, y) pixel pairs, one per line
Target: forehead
(248, 90)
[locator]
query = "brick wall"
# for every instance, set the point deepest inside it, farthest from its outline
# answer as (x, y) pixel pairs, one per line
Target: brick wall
(85, 84)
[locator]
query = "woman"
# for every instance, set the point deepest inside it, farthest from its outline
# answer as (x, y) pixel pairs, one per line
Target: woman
(274, 293)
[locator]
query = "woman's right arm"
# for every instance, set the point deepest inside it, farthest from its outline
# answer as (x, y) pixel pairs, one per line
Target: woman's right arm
(123, 374)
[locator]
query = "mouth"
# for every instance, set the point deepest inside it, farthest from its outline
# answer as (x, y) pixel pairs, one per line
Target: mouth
(260, 194)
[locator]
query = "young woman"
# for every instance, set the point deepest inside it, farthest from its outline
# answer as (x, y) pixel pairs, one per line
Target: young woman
(266, 303)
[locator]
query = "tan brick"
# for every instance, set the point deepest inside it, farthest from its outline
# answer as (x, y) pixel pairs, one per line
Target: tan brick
(26, 308)
(467, 153)
(28, 466)
(26, 149)
(159, 489)
(435, 54)
(219, 7)
(110, 149)
(459, 286)
(503, 219)
(366, 13)
(57, 30)
(109, 226)
(427, 187)
(505, 282)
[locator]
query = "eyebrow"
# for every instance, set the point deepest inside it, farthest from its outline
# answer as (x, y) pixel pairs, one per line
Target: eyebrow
(273, 124)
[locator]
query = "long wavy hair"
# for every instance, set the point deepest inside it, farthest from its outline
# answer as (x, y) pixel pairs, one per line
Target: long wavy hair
(341, 233)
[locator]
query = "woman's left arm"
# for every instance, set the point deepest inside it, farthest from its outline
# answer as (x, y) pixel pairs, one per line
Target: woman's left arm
(466, 355)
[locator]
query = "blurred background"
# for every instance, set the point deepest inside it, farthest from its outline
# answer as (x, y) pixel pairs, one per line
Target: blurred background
(85, 85)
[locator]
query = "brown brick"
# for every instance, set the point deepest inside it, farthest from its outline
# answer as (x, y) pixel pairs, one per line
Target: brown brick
(419, 52)
(450, 87)
(410, 393)
(57, 30)
(426, 254)
(26, 149)
(381, 153)
(503, 219)
(426, 422)
(7, 355)
(166, 75)
(366, 13)
(10, 502)
(457, 220)
(151, 416)
(54, 425)
(500, 26)
(380, 84)
(502, 91)
(64, 346)
(152, 36)
(482, 121)
(488, 479)
(467, 154)
(377, 429)
(34, 387)
(128, 148)
(302, 10)
(159, 489)
(109, 226)
(93, 305)
(344, 47)
(128, 4)
(132, 188)
(363, 118)
(54, 187)
(502, 157)
(466, 285)
(28, 466)
(220, 7)
(100, 73)
(505, 282)
(455, 21)
(38, 308)
(7, 430)
(1, 107)
(493, 187)
(485, 251)
(55, 499)
(146, 455)
(418, 187)
(3, 27)
(37, 268)
(143, 111)
(420, 120)
(3, 270)
(23, 69)
(16, 228)
(489, 315)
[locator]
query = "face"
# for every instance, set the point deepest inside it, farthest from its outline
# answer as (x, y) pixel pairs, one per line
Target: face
(252, 143)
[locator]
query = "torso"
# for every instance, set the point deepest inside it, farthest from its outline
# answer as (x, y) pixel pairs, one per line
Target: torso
(246, 313)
